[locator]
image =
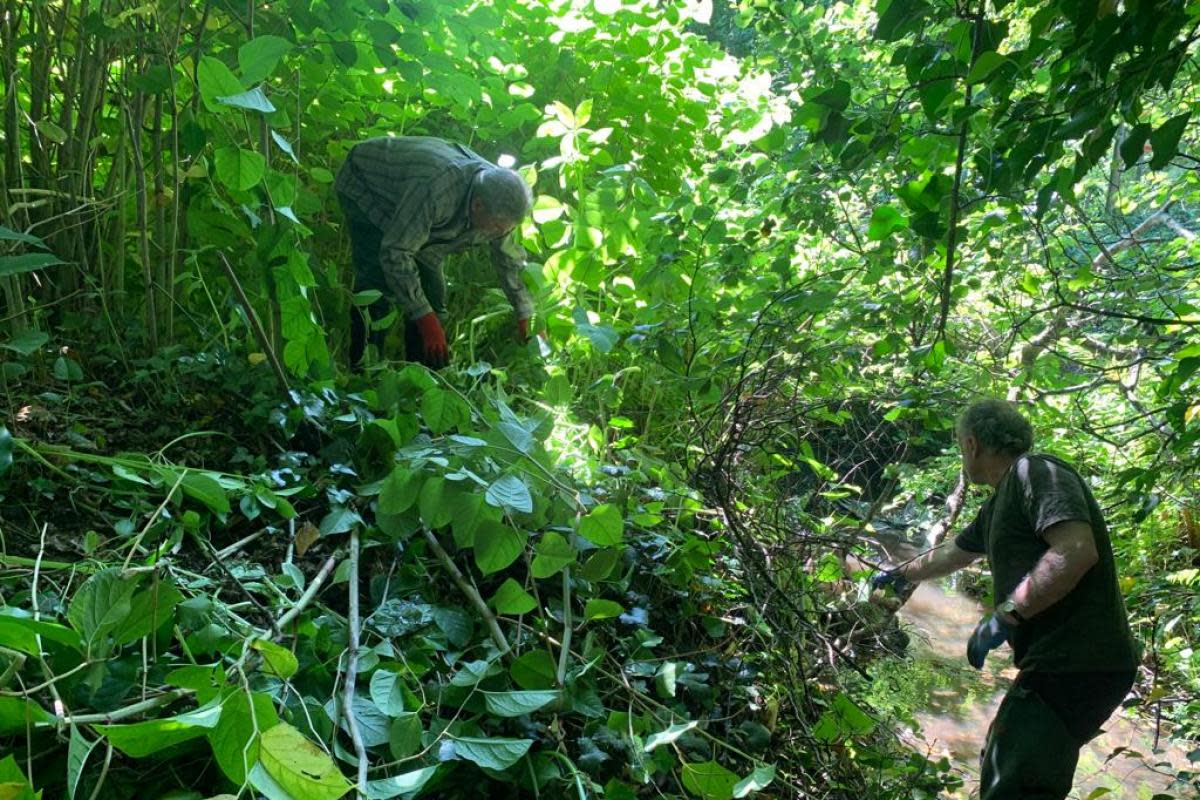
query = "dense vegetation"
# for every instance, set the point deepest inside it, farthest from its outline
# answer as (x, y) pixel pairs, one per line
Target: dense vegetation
(780, 244)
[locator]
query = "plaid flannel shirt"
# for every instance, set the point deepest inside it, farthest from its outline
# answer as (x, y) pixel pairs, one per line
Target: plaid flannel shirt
(417, 191)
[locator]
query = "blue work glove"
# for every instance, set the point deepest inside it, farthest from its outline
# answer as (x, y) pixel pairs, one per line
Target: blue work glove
(891, 577)
(990, 633)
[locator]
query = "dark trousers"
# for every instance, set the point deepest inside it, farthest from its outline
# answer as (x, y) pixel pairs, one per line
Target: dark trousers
(1033, 743)
(365, 242)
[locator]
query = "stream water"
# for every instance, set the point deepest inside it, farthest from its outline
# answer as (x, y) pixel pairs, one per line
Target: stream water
(955, 719)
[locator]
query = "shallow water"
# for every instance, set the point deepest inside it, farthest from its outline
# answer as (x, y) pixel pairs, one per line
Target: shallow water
(954, 721)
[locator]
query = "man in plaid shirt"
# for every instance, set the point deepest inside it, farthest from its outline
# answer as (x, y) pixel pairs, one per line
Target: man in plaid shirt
(411, 200)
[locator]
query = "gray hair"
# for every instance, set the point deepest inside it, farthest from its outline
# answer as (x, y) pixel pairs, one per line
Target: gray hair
(998, 426)
(503, 194)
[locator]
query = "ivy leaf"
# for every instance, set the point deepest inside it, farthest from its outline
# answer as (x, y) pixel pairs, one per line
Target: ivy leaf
(511, 494)
(603, 526)
(497, 545)
(1165, 140)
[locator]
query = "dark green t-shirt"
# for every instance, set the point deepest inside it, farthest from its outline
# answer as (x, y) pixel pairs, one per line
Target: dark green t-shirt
(1086, 631)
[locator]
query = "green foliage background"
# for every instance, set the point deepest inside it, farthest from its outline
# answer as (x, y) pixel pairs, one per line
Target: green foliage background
(778, 246)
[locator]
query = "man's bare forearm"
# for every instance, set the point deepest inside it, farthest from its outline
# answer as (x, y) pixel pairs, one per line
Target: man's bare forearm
(1072, 553)
(938, 562)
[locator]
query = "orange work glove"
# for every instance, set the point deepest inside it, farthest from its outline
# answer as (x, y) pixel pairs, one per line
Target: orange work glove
(437, 352)
(523, 330)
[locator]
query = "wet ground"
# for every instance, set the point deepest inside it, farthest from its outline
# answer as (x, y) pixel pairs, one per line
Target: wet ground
(955, 719)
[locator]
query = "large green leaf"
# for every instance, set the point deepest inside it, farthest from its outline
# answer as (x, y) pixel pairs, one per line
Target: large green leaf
(235, 740)
(669, 735)
(444, 410)
(709, 780)
(240, 169)
(141, 739)
(6, 450)
(18, 713)
(216, 80)
(207, 490)
(491, 753)
(253, 100)
(399, 491)
(13, 783)
(9, 235)
(25, 343)
(258, 57)
(497, 545)
(435, 504)
(515, 704)
(101, 604)
(534, 669)
(387, 692)
(298, 766)
(603, 526)
(511, 598)
(27, 262)
(756, 781)
(551, 554)
(148, 611)
(511, 494)
(1165, 140)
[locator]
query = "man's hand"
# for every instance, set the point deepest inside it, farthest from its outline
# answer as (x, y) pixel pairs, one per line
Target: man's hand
(437, 352)
(893, 578)
(990, 633)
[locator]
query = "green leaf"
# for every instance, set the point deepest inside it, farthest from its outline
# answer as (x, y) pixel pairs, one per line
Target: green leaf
(373, 725)
(900, 17)
(286, 147)
(101, 604)
(436, 509)
(1164, 140)
(443, 410)
(239, 169)
(26, 342)
(405, 735)
(387, 692)
(276, 660)
(13, 783)
(756, 781)
(515, 704)
(205, 488)
(709, 780)
(497, 545)
(407, 783)
(603, 526)
(18, 713)
(600, 564)
(669, 735)
(666, 679)
(19, 630)
(1134, 145)
(399, 491)
(551, 554)
(253, 100)
(885, 220)
(27, 262)
(534, 669)
(9, 235)
(148, 611)
(511, 494)
(235, 740)
(216, 80)
(300, 768)
(491, 753)
(141, 739)
(510, 598)
(987, 63)
(602, 609)
(258, 57)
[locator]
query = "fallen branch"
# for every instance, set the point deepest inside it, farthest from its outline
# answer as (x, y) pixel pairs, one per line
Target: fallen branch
(352, 666)
(954, 505)
(470, 591)
(309, 594)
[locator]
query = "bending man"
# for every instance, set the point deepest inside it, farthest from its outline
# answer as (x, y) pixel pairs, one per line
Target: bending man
(411, 200)
(1058, 605)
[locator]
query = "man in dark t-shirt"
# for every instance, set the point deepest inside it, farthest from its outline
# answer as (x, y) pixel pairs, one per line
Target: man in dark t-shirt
(1057, 603)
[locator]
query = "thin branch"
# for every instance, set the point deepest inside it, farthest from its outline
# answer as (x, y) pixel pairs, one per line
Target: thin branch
(470, 591)
(352, 665)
